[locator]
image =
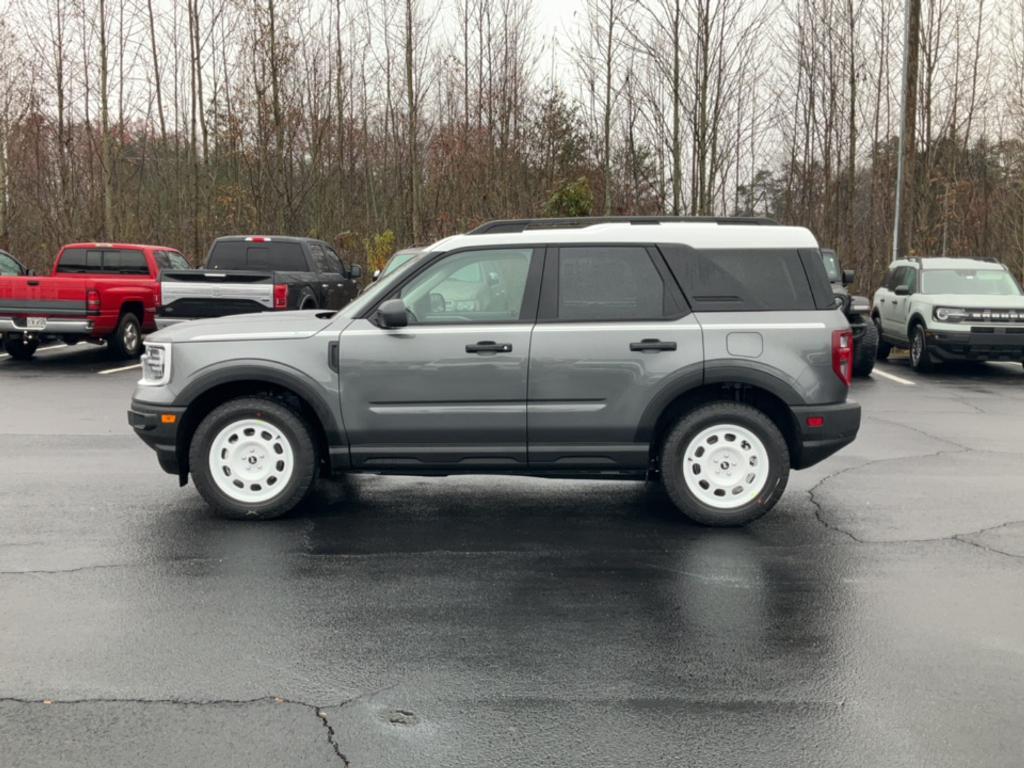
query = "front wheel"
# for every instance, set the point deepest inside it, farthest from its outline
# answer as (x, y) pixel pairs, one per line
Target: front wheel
(127, 339)
(920, 355)
(865, 350)
(725, 464)
(20, 347)
(883, 347)
(253, 458)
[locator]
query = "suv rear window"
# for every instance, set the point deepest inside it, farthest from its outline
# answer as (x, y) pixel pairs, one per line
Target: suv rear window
(238, 254)
(741, 280)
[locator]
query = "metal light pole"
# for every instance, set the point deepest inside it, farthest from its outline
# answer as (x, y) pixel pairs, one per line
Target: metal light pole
(897, 218)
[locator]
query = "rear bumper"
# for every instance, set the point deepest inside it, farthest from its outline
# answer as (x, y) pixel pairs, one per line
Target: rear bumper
(148, 422)
(814, 444)
(988, 344)
(53, 327)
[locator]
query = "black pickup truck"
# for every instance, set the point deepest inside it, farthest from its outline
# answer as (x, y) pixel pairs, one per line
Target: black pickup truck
(257, 273)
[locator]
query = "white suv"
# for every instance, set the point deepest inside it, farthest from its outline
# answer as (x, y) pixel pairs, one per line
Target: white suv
(950, 309)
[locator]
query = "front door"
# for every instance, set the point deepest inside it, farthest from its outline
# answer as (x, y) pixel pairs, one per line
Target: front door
(613, 331)
(448, 390)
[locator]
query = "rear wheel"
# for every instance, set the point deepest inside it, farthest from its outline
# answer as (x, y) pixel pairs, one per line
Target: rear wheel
(883, 348)
(725, 464)
(20, 347)
(253, 458)
(920, 355)
(127, 339)
(865, 351)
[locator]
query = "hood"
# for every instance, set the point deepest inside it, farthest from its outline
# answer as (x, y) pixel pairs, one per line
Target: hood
(976, 301)
(259, 326)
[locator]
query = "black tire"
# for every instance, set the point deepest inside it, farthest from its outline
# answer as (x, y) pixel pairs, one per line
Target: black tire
(127, 339)
(291, 426)
(674, 463)
(920, 355)
(865, 350)
(20, 348)
(883, 348)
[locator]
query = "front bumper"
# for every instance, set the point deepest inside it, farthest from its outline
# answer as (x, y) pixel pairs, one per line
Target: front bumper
(151, 424)
(978, 343)
(53, 327)
(838, 429)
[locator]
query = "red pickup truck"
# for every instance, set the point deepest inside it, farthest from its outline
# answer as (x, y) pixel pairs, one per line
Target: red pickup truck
(96, 292)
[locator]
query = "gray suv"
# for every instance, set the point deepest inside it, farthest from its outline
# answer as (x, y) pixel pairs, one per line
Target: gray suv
(705, 353)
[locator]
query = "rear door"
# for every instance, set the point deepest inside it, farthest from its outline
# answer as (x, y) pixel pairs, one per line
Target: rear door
(448, 390)
(613, 328)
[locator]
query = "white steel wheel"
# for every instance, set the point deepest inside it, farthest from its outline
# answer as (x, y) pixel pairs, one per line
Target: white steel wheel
(251, 461)
(725, 466)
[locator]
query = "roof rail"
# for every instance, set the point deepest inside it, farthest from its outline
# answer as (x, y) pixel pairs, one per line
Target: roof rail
(500, 226)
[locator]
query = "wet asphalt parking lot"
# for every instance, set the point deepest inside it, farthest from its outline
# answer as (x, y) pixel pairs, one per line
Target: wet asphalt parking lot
(875, 618)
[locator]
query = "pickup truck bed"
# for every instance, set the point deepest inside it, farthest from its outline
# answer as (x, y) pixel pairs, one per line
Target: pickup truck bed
(257, 274)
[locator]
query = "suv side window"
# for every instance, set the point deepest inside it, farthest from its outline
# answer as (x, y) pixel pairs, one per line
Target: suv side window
(610, 283)
(486, 286)
(742, 280)
(905, 276)
(889, 283)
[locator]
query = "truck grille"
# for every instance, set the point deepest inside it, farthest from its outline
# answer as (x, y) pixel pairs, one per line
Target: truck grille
(995, 316)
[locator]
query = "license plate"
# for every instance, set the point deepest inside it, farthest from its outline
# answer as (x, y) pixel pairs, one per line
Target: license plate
(35, 323)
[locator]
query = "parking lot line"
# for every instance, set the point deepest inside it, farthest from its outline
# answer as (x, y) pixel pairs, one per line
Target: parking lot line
(119, 370)
(894, 377)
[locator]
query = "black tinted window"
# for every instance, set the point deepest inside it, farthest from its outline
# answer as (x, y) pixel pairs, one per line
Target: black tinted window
(741, 280)
(240, 254)
(125, 262)
(72, 260)
(321, 259)
(609, 283)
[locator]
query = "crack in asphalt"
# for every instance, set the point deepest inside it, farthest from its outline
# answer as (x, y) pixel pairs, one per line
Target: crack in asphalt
(317, 710)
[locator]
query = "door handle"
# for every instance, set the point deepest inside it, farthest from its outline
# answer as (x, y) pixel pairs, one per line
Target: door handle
(487, 347)
(652, 345)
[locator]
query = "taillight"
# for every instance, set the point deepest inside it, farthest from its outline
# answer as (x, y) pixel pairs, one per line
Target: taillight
(281, 296)
(92, 301)
(842, 355)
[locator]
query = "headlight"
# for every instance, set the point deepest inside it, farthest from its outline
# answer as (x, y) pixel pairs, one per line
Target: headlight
(951, 314)
(156, 365)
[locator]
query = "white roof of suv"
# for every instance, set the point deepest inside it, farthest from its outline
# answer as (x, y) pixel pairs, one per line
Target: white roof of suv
(699, 234)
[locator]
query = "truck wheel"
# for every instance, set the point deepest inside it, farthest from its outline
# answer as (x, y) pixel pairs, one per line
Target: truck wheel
(253, 459)
(884, 347)
(920, 355)
(127, 339)
(865, 351)
(725, 464)
(20, 348)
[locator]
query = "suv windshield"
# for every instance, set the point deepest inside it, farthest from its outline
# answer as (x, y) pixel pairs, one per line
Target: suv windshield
(979, 282)
(400, 258)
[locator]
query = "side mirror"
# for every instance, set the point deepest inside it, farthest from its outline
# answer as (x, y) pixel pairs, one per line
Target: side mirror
(376, 275)
(392, 314)
(437, 304)
(902, 290)
(355, 272)
(848, 276)
(31, 273)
